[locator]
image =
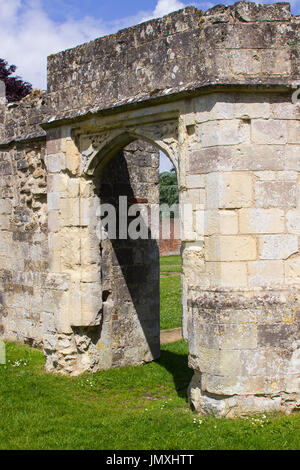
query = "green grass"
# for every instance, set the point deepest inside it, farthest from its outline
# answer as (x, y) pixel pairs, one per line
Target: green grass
(168, 270)
(141, 407)
(170, 302)
(166, 261)
(170, 292)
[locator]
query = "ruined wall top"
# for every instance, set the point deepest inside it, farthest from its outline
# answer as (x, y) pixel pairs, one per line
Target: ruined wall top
(188, 49)
(242, 45)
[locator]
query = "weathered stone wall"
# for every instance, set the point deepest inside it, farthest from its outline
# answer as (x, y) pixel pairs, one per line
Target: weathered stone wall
(244, 276)
(242, 44)
(23, 242)
(21, 121)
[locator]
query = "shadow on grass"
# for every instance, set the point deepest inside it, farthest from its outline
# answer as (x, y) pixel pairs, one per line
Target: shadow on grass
(177, 365)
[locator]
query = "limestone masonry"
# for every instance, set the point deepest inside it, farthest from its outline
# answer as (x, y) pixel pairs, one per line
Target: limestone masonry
(213, 91)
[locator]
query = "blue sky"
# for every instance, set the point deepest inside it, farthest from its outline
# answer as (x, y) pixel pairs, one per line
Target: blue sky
(30, 30)
(110, 10)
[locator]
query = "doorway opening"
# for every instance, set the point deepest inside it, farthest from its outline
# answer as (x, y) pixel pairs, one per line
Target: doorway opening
(139, 296)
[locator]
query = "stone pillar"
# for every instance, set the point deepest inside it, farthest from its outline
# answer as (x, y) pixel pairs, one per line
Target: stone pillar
(241, 258)
(74, 259)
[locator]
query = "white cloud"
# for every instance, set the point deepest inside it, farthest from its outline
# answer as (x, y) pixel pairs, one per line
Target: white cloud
(164, 7)
(28, 35)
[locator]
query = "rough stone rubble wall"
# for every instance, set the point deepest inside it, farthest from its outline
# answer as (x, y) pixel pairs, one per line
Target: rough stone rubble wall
(23, 242)
(21, 121)
(243, 278)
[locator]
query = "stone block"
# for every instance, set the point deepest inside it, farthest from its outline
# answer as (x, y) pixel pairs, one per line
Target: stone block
(276, 62)
(58, 183)
(214, 106)
(248, 63)
(275, 194)
(270, 131)
(277, 246)
(194, 197)
(228, 275)
(230, 248)
(292, 271)
(220, 362)
(73, 187)
(54, 221)
(294, 132)
(229, 190)
(283, 109)
(54, 201)
(5, 206)
(91, 302)
(293, 157)
(261, 220)
(55, 245)
(232, 132)
(195, 181)
(55, 163)
(266, 274)
(187, 223)
(54, 141)
(210, 222)
(70, 249)
(211, 159)
(193, 264)
(70, 212)
(252, 107)
(257, 157)
(293, 221)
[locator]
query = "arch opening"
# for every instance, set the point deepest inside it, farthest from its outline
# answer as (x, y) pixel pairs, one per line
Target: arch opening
(128, 190)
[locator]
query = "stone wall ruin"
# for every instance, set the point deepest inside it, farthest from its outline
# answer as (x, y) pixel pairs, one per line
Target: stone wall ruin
(213, 91)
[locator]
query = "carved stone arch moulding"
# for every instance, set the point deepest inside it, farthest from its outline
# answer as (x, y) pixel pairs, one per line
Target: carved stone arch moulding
(94, 146)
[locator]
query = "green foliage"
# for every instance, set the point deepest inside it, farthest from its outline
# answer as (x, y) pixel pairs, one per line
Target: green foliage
(168, 188)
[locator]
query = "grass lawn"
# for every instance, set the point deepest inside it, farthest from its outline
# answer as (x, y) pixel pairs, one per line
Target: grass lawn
(170, 302)
(167, 261)
(141, 407)
(170, 292)
(131, 408)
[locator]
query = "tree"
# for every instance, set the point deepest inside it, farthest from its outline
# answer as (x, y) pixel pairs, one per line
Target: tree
(168, 193)
(16, 88)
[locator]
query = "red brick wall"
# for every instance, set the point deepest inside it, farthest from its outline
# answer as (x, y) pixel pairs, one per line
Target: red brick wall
(169, 246)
